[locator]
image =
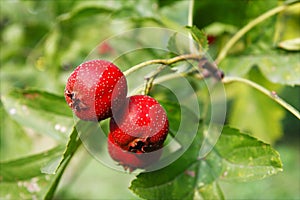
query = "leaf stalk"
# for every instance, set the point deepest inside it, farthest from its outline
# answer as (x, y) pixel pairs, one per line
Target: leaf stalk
(270, 94)
(246, 28)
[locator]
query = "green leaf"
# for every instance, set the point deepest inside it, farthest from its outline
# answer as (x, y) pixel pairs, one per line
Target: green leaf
(136, 10)
(43, 112)
(10, 133)
(73, 143)
(118, 10)
(179, 44)
(211, 191)
(28, 167)
(177, 113)
(181, 187)
(175, 15)
(236, 156)
(218, 28)
(237, 65)
(41, 100)
(278, 68)
(53, 165)
(23, 179)
(264, 113)
(32, 176)
(85, 9)
(245, 158)
(287, 29)
(292, 44)
(174, 114)
(199, 36)
(282, 69)
(51, 44)
(176, 181)
(172, 44)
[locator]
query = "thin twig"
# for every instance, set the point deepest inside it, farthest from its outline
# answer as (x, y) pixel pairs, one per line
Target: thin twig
(151, 78)
(245, 29)
(270, 94)
(163, 61)
(193, 49)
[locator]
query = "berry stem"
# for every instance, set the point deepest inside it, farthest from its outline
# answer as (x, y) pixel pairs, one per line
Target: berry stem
(248, 27)
(163, 61)
(151, 78)
(167, 77)
(265, 91)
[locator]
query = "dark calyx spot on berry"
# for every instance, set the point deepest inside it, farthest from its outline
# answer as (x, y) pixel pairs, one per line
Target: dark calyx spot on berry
(141, 145)
(76, 104)
(136, 146)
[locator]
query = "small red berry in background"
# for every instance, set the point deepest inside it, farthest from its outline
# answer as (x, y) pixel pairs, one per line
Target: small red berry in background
(211, 39)
(94, 88)
(105, 48)
(140, 128)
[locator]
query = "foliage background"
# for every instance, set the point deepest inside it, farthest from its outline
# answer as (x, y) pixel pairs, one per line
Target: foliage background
(42, 41)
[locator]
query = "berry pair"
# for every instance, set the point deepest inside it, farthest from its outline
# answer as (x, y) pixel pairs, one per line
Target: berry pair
(96, 90)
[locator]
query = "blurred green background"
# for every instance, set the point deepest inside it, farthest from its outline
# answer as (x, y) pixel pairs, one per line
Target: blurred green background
(43, 41)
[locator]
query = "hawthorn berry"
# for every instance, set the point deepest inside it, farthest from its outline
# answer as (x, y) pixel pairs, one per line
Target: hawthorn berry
(211, 39)
(131, 160)
(105, 48)
(140, 127)
(94, 88)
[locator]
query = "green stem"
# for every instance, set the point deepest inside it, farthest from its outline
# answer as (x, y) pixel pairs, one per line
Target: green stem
(52, 190)
(270, 94)
(190, 16)
(150, 79)
(193, 49)
(245, 29)
(162, 61)
(167, 78)
(61, 171)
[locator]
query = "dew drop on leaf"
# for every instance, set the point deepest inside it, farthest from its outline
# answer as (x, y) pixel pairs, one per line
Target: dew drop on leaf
(12, 111)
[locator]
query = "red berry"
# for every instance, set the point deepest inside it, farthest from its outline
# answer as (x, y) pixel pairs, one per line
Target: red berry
(105, 48)
(211, 39)
(95, 88)
(141, 127)
(131, 160)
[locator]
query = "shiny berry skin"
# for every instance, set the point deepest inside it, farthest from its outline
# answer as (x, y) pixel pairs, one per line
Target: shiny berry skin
(141, 127)
(131, 160)
(94, 88)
